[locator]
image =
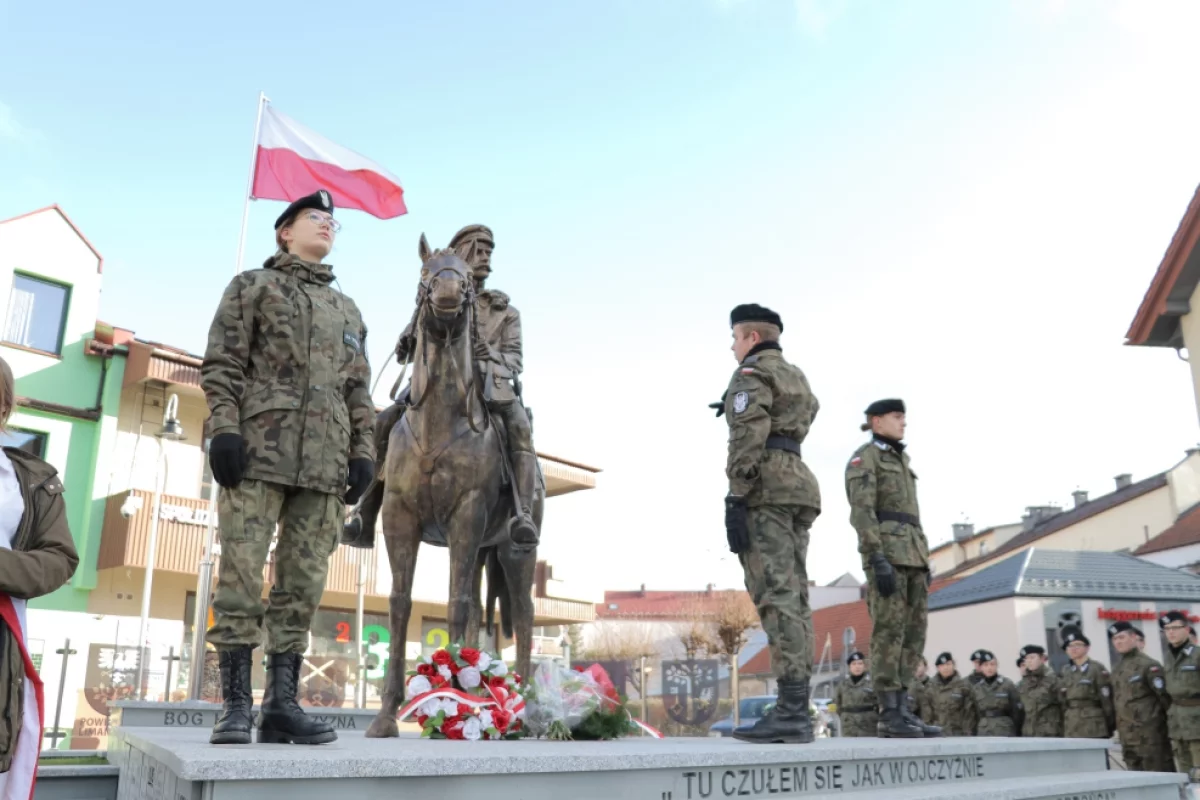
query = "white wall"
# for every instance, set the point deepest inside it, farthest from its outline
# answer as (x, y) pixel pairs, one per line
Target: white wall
(134, 456)
(998, 625)
(825, 596)
(1176, 557)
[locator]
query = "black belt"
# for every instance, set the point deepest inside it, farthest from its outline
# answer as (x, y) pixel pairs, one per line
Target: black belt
(993, 713)
(858, 709)
(783, 443)
(898, 516)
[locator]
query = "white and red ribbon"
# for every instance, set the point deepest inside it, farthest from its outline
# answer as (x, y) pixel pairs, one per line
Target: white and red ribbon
(22, 776)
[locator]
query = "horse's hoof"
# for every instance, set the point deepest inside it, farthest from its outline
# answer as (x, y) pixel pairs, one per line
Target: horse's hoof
(383, 727)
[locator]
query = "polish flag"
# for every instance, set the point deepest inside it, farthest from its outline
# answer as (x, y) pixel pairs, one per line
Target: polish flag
(292, 161)
(18, 782)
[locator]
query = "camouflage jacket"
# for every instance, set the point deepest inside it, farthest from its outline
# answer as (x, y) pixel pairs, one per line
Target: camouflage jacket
(1043, 703)
(1140, 698)
(879, 479)
(499, 324)
(767, 396)
(952, 707)
(857, 706)
(286, 367)
(1087, 700)
(1182, 669)
(996, 704)
(920, 698)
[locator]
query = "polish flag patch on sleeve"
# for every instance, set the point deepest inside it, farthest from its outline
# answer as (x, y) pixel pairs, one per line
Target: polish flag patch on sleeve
(856, 461)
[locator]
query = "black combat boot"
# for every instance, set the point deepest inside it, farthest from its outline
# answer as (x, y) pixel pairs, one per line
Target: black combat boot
(928, 731)
(280, 719)
(233, 726)
(787, 722)
(524, 532)
(892, 723)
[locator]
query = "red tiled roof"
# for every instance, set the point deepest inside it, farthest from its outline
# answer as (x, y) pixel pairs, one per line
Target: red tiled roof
(668, 605)
(832, 622)
(1154, 303)
(1185, 531)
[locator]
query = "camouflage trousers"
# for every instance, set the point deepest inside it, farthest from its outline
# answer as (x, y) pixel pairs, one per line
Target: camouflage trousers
(777, 580)
(860, 724)
(1148, 755)
(309, 525)
(1186, 752)
(897, 628)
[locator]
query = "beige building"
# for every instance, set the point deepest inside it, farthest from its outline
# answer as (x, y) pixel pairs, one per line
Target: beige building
(1122, 520)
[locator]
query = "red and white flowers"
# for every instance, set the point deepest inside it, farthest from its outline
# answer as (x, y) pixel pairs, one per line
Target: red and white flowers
(464, 693)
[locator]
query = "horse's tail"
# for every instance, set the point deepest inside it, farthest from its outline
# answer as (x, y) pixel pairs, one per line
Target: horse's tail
(498, 590)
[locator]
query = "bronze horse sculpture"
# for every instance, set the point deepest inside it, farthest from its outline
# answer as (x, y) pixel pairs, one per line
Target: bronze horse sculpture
(445, 484)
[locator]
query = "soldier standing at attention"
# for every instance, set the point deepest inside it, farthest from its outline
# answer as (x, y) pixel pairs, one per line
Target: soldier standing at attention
(1182, 670)
(918, 698)
(882, 491)
(976, 660)
(857, 707)
(996, 701)
(1086, 690)
(287, 384)
(1039, 694)
(1139, 695)
(948, 696)
(772, 502)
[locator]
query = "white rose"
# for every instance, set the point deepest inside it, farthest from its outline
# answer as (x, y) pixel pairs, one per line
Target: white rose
(445, 672)
(486, 720)
(431, 707)
(469, 678)
(449, 706)
(499, 668)
(472, 730)
(484, 661)
(418, 685)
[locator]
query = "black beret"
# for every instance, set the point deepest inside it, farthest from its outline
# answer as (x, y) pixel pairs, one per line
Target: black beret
(1020, 661)
(985, 656)
(855, 656)
(944, 658)
(1138, 633)
(1032, 649)
(1118, 627)
(1171, 616)
(753, 312)
(1072, 634)
(320, 200)
(881, 407)
(977, 655)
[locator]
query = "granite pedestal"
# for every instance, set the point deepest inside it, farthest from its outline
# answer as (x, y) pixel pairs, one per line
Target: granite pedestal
(179, 764)
(198, 714)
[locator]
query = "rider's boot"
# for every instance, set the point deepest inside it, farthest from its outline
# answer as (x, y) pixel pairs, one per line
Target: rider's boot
(524, 532)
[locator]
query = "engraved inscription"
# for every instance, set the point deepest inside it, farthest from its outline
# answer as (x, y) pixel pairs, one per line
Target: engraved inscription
(833, 777)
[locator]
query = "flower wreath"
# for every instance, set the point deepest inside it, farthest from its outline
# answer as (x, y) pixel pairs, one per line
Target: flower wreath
(464, 693)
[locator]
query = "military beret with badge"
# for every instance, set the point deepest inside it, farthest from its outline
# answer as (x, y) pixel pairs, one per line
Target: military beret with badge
(753, 312)
(977, 656)
(1172, 616)
(943, 658)
(854, 656)
(1121, 626)
(319, 200)
(881, 407)
(1032, 649)
(1071, 634)
(986, 656)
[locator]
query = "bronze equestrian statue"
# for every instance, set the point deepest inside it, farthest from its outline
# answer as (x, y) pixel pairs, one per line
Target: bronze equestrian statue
(446, 481)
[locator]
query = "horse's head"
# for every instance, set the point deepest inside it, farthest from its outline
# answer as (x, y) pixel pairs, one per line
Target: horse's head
(445, 281)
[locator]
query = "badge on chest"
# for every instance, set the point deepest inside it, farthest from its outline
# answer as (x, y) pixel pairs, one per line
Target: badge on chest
(349, 338)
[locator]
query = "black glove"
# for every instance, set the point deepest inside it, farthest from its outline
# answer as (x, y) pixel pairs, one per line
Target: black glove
(362, 471)
(227, 459)
(885, 576)
(719, 406)
(737, 525)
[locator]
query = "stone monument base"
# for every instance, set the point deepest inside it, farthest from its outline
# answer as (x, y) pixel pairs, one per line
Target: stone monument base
(180, 764)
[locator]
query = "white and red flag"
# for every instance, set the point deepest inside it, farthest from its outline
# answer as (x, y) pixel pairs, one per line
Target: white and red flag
(18, 782)
(291, 161)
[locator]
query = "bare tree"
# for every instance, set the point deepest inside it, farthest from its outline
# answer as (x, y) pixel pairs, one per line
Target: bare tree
(618, 640)
(696, 631)
(734, 618)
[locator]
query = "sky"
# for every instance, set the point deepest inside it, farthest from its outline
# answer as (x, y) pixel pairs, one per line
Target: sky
(958, 204)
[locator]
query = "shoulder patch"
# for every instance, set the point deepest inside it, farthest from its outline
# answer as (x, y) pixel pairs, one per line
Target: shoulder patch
(349, 338)
(856, 461)
(741, 401)
(747, 370)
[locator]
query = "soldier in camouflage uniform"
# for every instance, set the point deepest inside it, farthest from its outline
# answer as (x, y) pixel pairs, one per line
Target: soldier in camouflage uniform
(1182, 684)
(882, 491)
(1140, 698)
(772, 502)
(499, 354)
(976, 660)
(995, 701)
(918, 695)
(1039, 694)
(854, 700)
(287, 384)
(949, 695)
(1086, 690)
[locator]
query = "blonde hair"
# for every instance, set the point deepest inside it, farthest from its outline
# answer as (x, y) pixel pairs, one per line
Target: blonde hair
(8, 391)
(765, 330)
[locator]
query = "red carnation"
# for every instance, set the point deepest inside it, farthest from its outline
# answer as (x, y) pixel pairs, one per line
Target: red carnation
(453, 728)
(442, 658)
(501, 719)
(438, 682)
(428, 670)
(497, 682)
(464, 710)
(469, 655)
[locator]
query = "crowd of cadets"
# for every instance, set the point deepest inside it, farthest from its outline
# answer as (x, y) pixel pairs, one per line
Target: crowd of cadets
(1155, 709)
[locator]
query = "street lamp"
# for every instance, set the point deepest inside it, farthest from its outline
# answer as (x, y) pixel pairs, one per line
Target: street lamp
(172, 431)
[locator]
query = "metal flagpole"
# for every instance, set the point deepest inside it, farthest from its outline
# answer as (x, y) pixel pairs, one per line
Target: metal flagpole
(204, 579)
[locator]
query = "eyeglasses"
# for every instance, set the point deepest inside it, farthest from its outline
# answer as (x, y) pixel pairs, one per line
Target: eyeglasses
(320, 219)
(1174, 627)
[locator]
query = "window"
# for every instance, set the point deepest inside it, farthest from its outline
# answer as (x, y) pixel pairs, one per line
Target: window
(37, 311)
(30, 441)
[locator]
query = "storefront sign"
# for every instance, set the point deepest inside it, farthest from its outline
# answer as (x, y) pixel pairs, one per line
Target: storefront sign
(1124, 615)
(183, 514)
